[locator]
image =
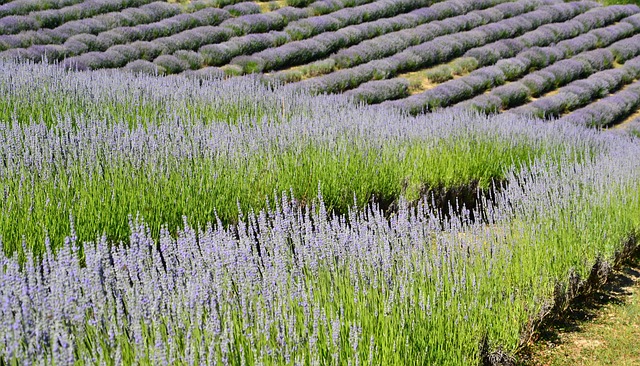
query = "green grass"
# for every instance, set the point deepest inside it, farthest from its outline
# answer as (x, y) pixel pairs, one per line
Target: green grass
(100, 197)
(476, 280)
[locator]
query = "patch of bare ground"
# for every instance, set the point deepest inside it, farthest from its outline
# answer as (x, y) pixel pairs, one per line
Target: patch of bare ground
(599, 329)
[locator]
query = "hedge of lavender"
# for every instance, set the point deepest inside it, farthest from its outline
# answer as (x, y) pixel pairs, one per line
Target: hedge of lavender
(442, 49)
(294, 279)
(582, 92)
(54, 17)
(312, 48)
(97, 34)
(148, 13)
(390, 44)
(610, 109)
(519, 68)
(22, 7)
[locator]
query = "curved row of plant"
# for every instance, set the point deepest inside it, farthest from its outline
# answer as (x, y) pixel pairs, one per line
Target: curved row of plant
(171, 153)
(199, 21)
(444, 48)
(542, 47)
(293, 282)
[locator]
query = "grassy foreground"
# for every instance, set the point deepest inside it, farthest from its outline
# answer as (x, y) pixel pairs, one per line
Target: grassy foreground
(290, 281)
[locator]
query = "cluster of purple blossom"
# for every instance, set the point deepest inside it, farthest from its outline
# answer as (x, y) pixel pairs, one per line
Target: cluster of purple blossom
(504, 70)
(554, 69)
(395, 42)
(260, 23)
(55, 17)
(321, 7)
(222, 53)
(610, 109)
(582, 92)
(441, 49)
(244, 8)
(552, 33)
(631, 127)
(301, 52)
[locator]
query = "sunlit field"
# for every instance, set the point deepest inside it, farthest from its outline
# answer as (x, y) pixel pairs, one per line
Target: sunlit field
(309, 182)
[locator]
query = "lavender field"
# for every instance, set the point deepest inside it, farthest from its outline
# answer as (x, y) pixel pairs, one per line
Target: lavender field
(520, 57)
(256, 183)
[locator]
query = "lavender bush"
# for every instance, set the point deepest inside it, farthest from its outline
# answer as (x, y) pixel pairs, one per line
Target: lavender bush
(581, 92)
(608, 110)
(557, 32)
(55, 17)
(394, 42)
(555, 75)
(378, 91)
(23, 7)
(126, 34)
(306, 28)
(243, 8)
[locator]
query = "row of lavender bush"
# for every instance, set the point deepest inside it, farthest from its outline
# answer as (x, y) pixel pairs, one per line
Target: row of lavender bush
(218, 53)
(581, 92)
(610, 109)
(389, 44)
(101, 32)
(396, 42)
(221, 53)
(505, 70)
(301, 52)
(551, 77)
(484, 78)
(148, 13)
(443, 48)
(549, 33)
(160, 49)
(190, 39)
(22, 7)
(293, 282)
(54, 17)
(88, 35)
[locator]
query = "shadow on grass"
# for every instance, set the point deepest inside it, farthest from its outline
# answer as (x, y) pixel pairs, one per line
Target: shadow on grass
(585, 308)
